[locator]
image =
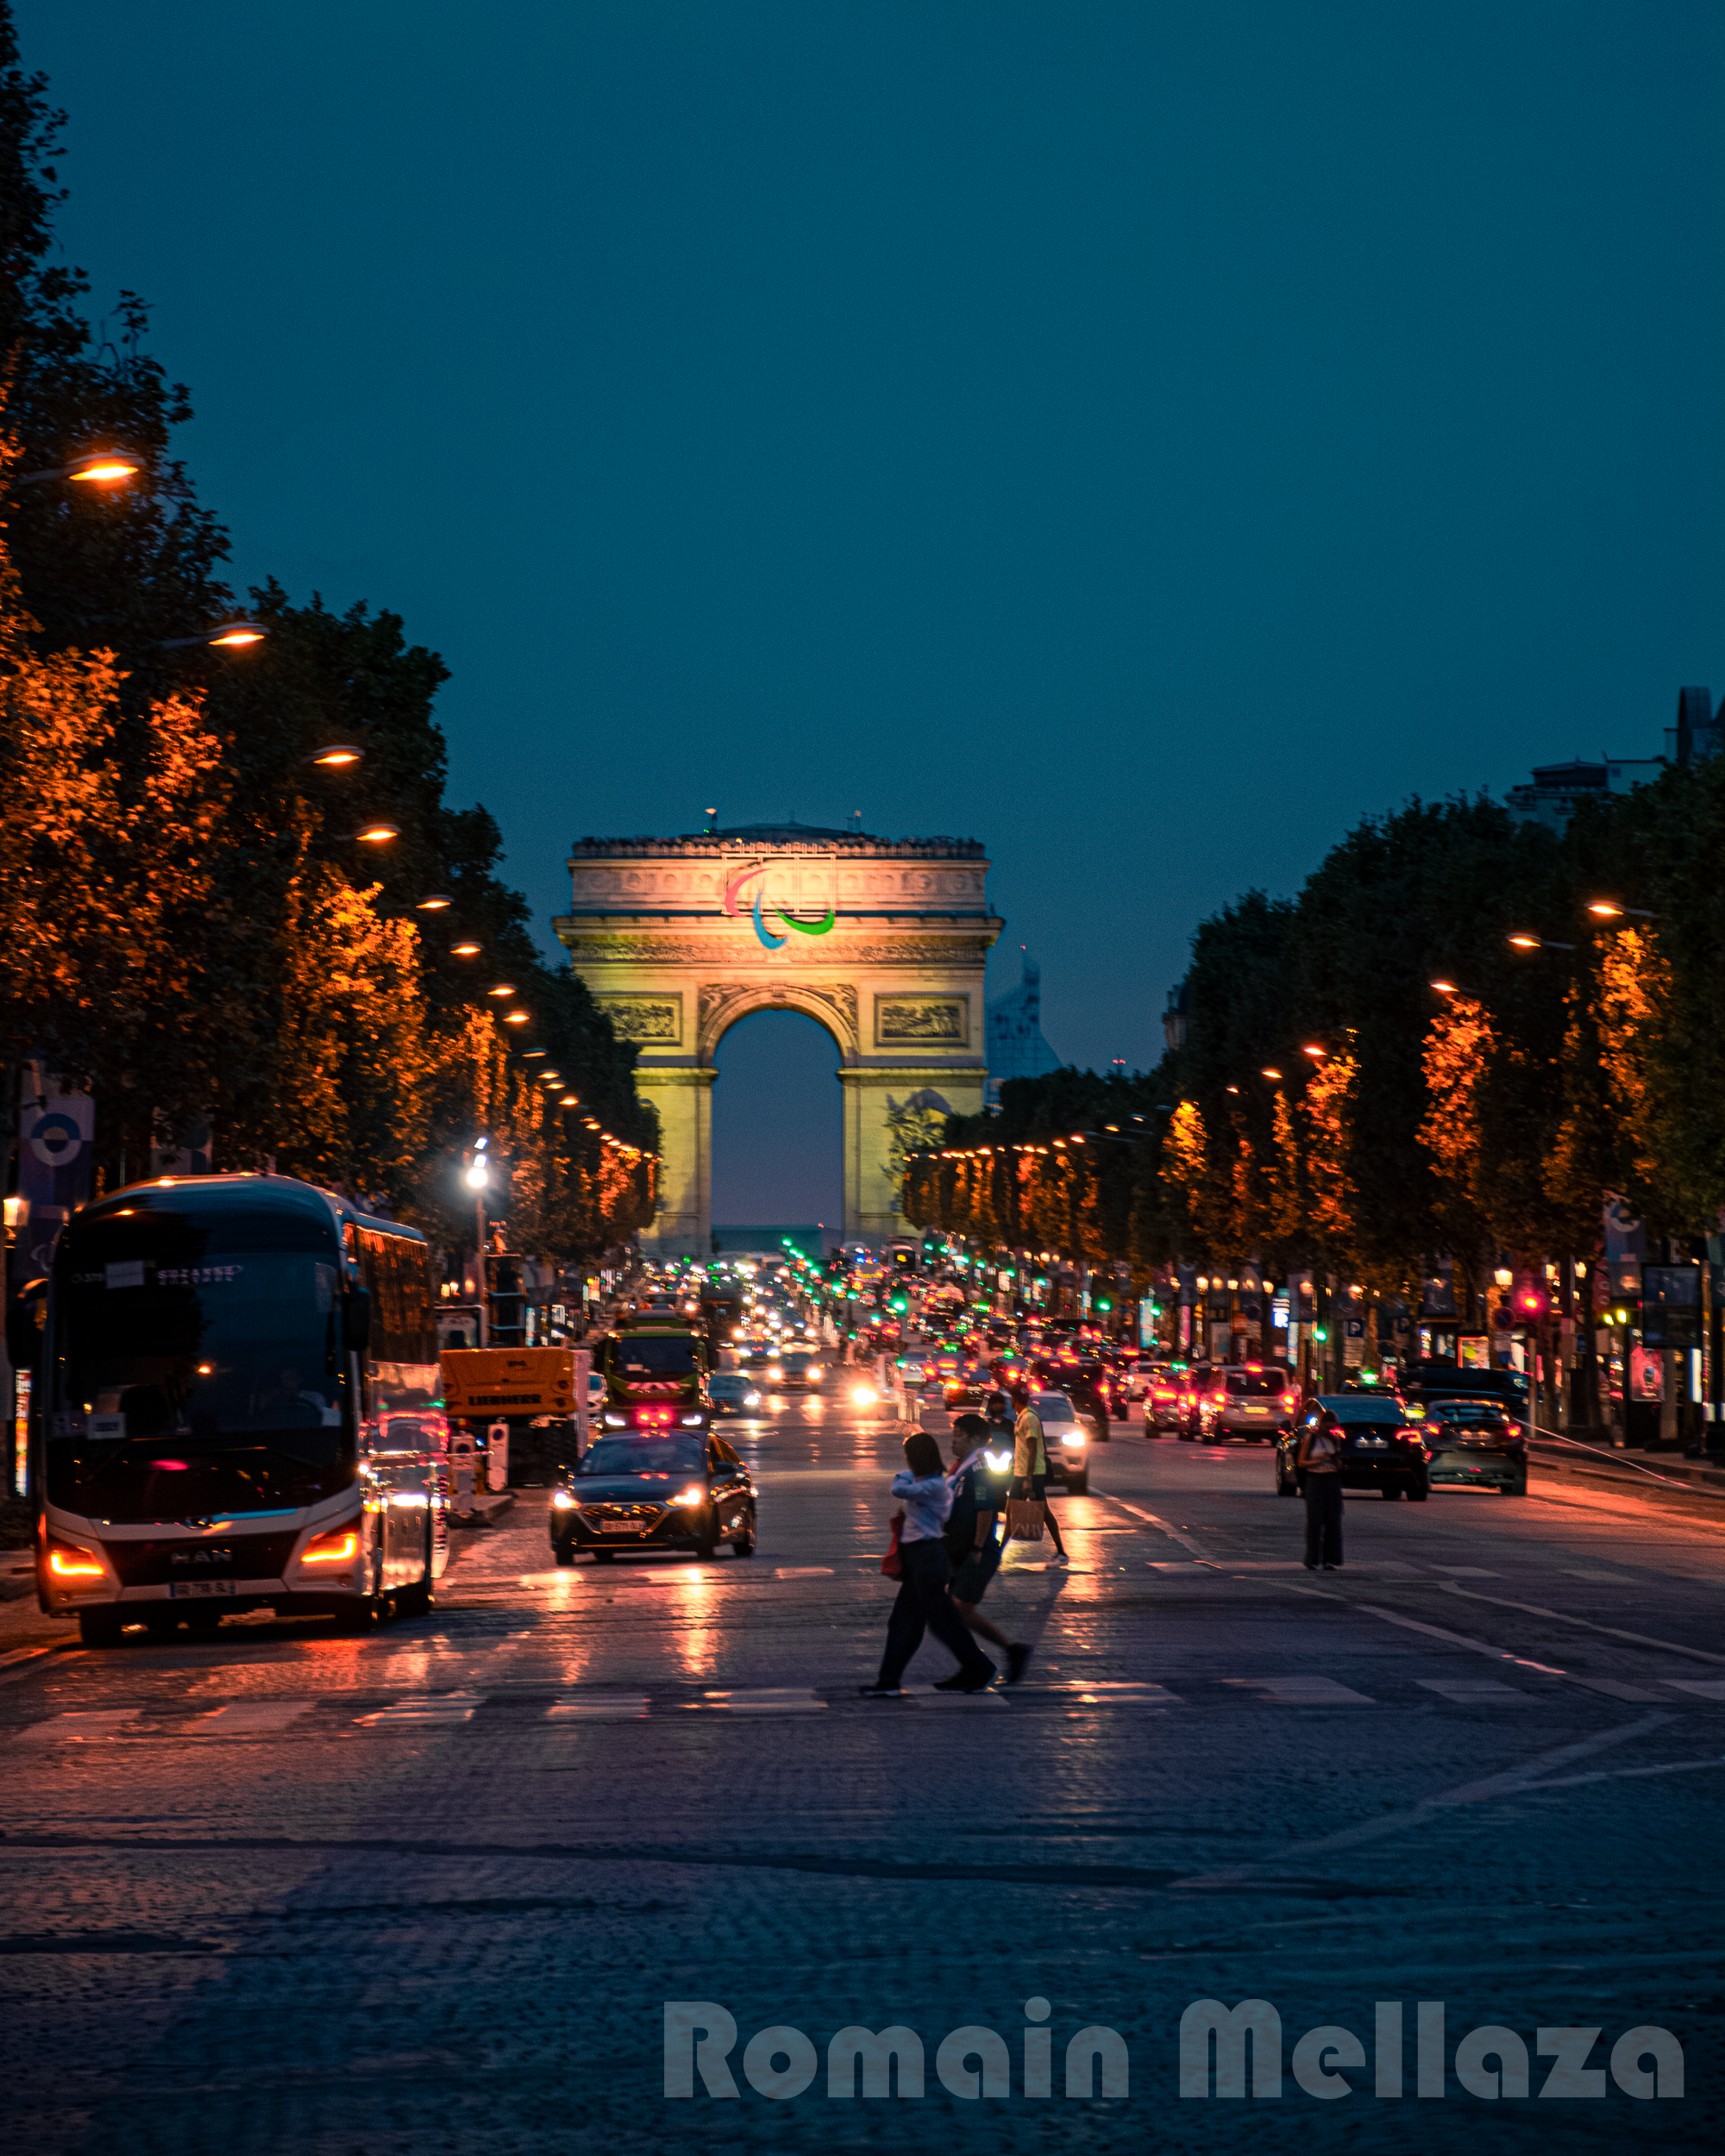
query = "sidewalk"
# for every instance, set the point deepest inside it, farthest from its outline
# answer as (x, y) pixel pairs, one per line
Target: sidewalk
(1629, 1467)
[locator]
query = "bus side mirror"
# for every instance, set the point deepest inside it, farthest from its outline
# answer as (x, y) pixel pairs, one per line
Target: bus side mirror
(356, 1320)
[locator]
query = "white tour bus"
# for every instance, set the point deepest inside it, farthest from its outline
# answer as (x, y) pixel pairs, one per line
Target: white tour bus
(237, 1405)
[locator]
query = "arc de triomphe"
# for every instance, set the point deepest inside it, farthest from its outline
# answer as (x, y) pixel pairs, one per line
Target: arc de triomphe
(881, 941)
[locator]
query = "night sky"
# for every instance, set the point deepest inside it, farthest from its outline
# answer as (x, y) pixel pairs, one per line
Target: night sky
(1144, 437)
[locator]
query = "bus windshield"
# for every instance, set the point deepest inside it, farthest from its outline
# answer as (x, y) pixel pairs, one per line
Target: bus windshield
(656, 1355)
(198, 1371)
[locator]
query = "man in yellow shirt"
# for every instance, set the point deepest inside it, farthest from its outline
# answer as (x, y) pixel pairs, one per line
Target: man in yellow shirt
(1029, 1470)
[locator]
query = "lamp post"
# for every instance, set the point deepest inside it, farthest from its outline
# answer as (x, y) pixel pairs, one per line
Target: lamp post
(479, 1181)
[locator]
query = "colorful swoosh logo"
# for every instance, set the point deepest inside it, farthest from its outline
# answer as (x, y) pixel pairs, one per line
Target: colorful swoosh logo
(769, 940)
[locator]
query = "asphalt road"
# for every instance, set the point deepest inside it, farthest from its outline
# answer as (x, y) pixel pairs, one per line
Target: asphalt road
(271, 1891)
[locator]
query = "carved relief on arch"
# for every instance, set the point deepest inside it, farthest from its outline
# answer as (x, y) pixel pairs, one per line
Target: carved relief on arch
(723, 1002)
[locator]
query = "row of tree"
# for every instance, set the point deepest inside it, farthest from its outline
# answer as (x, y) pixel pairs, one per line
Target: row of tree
(186, 923)
(1333, 1106)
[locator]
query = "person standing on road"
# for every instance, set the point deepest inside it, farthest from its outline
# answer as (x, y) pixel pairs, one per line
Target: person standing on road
(924, 1596)
(1316, 1460)
(972, 1539)
(1030, 1471)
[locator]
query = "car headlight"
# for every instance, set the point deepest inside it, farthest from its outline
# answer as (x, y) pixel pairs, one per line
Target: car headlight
(814, 1371)
(1074, 1437)
(561, 1501)
(775, 1378)
(617, 1422)
(864, 1395)
(691, 1422)
(694, 1495)
(751, 1400)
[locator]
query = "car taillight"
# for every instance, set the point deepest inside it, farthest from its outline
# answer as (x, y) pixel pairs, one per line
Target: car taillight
(1514, 1429)
(1290, 1400)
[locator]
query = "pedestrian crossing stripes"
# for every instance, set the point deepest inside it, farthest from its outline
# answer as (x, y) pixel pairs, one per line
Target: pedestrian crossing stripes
(522, 1708)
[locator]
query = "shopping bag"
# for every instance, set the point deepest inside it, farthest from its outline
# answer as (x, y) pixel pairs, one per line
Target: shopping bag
(889, 1564)
(1024, 1520)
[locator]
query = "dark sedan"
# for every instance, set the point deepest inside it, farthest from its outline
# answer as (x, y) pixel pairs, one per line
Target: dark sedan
(1475, 1444)
(654, 1491)
(1379, 1447)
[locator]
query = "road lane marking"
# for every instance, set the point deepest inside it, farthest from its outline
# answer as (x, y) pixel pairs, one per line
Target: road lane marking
(1304, 1691)
(1702, 1687)
(600, 1707)
(446, 1706)
(250, 1718)
(770, 1699)
(1509, 1783)
(803, 1572)
(84, 1724)
(1466, 1689)
(1109, 1694)
(1624, 1774)
(1612, 1632)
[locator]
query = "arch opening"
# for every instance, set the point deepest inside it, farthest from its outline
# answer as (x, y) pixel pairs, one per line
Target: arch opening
(777, 1130)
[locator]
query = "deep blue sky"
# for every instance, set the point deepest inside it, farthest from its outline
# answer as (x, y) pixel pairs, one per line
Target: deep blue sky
(1144, 437)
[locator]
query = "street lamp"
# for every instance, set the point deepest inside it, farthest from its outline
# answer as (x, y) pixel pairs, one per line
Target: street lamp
(1609, 910)
(466, 950)
(1446, 987)
(229, 636)
(337, 756)
(1538, 943)
(433, 902)
(96, 467)
(373, 835)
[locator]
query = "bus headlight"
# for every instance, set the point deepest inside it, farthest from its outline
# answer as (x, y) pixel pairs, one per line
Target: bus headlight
(561, 1501)
(692, 1422)
(69, 1564)
(617, 1422)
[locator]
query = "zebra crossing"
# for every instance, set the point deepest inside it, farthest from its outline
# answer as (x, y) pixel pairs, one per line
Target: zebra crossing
(524, 1707)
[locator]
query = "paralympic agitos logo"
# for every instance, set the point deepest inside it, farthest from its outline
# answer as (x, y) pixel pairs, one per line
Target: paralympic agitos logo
(757, 875)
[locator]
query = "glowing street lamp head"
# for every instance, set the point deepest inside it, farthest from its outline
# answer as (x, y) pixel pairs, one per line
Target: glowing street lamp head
(516, 1017)
(465, 950)
(1316, 1053)
(503, 988)
(104, 468)
(477, 1175)
(1445, 987)
(1267, 1073)
(232, 635)
(377, 834)
(433, 902)
(338, 755)
(1525, 943)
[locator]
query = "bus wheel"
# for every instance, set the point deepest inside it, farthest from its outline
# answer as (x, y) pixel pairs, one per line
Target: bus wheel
(99, 1627)
(415, 1601)
(204, 1618)
(603, 1557)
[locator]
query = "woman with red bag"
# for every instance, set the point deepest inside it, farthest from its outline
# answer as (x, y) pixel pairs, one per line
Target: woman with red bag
(924, 1573)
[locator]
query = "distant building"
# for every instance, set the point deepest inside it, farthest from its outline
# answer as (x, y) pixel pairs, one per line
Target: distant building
(1016, 1048)
(1177, 1019)
(1550, 796)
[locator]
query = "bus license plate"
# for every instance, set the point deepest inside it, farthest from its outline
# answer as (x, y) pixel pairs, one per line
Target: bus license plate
(184, 1590)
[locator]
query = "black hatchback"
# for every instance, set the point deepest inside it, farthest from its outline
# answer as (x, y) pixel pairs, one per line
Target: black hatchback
(651, 1489)
(1379, 1446)
(1477, 1444)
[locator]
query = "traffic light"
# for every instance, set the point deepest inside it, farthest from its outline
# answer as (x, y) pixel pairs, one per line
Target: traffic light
(1321, 1333)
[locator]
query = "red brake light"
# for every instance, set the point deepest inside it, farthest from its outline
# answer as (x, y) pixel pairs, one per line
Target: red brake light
(1514, 1429)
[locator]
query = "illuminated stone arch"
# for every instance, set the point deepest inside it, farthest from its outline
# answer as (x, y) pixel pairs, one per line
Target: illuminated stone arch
(679, 939)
